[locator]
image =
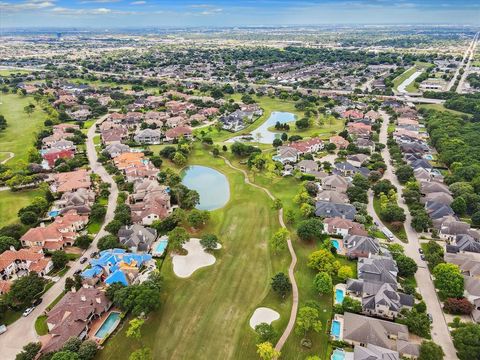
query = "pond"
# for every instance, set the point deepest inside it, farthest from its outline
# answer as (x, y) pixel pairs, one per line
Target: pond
(211, 185)
(263, 135)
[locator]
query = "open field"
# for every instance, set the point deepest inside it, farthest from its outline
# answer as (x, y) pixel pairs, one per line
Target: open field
(19, 135)
(409, 72)
(440, 107)
(323, 127)
(11, 202)
(206, 316)
(7, 72)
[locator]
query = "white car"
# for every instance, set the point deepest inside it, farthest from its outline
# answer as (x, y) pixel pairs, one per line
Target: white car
(28, 311)
(3, 329)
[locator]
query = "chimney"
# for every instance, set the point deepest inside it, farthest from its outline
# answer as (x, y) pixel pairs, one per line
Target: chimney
(98, 300)
(12, 248)
(83, 298)
(42, 224)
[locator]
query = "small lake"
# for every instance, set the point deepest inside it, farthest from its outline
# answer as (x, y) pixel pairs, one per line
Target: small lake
(211, 185)
(266, 136)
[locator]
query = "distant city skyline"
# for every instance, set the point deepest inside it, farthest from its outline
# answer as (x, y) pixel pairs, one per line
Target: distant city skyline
(183, 13)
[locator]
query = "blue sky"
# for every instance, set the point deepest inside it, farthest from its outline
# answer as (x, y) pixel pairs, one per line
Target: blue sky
(178, 13)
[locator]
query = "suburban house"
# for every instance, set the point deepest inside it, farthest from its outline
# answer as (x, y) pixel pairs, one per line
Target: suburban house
(307, 166)
(377, 268)
(16, 263)
(359, 246)
(309, 146)
(464, 243)
(115, 265)
(357, 159)
(80, 201)
(73, 315)
(115, 135)
(71, 181)
(326, 209)
(336, 183)
(339, 142)
(373, 352)
(148, 136)
(286, 155)
(127, 159)
(332, 196)
(137, 238)
(116, 149)
(379, 300)
(178, 132)
(361, 330)
(150, 201)
(52, 155)
(365, 144)
(343, 227)
(359, 129)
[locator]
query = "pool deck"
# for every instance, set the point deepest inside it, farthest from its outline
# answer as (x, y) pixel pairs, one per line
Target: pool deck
(338, 318)
(156, 243)
(97, 323)
(341, 247)
(342, 287)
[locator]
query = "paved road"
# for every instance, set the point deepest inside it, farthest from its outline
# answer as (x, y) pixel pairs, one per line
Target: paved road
(402, 88)
(22, 331)
(470, 54)
(440, 333)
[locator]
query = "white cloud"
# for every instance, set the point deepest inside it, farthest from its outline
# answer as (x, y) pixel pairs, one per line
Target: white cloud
(97, 11)
(26, 5)
(99, 1)
(138, 3)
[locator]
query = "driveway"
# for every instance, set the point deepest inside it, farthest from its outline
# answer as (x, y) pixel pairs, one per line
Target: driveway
(440, 332)
(22, 331)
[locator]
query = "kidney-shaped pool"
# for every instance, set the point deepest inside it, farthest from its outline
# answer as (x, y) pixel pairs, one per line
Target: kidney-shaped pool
(211, 185)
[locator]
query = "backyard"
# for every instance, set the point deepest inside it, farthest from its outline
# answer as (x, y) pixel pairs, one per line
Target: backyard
(11, 202)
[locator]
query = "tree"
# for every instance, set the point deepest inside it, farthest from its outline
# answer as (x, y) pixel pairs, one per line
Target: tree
(83, 241)
(448, 280)
(349, 304)
(308, 319)
(278, 241)
(392, 213)
(28, 218)
(323, 261)
(29, 351)
(430, 351)
(323, 283)
(306, 210)
(59, 259)
(344, 272)
(277, 142)
(108, 242)
(417, 322)
(266, 351)
(198, 218)
(281, 284)
(72, 344)
(310, 230)
(459, 306)
(459, 205)
(134, 328)
(404, 173)
(177, 237)
(141, 354)
(357, 194)
(420, 220)
(476, 218)
(6, 242)
(25, 289)
(265, 333)
(361, 181)
(179, 159)
(406, 266)
(209, 241)
(87, 350)
(466, 339)
(289, 216)
(65, 355)
(382, 186)
(114, 226)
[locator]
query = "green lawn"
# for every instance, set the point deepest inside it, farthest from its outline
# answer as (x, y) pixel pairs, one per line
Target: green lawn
(6, 72)
(19, 135)
(409, 72)
(206, 316)
(441, 107)
(323, 127)
(41, 325)
(11, 202)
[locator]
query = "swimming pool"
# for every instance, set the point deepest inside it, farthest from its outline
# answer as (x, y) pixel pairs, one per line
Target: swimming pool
(160, 247)
(335, 331)
(53, 213)
(338, 354)
(339, 295)
(335, 244)
(108, 325)
(428, 157)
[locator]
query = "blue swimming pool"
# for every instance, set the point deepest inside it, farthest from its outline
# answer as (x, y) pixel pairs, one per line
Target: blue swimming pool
(53, 213)
(428, 157)
(108, 325)
(335, 244)
(339, 295)
(338, 354)
(160, 247)
(335, 331)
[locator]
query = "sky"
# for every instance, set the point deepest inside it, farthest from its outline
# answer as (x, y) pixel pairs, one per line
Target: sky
(216, 13)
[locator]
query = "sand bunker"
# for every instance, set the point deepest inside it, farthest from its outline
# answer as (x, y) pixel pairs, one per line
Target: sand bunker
(263, 315)
(185, 265)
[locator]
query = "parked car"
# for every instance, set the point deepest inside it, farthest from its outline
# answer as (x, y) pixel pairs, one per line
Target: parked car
(83, 260)
(430, 317)
(420, 250)
(28, 311)
(3, 329)
(93, 254)
(77, 272)
(422, 257)
(37, 302)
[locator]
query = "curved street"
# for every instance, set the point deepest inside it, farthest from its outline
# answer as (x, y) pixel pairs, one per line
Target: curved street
(22, 331)
(440, 332)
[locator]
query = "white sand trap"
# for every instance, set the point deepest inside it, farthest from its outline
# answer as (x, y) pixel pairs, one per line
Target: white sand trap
(185, 265)
(263, 315)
